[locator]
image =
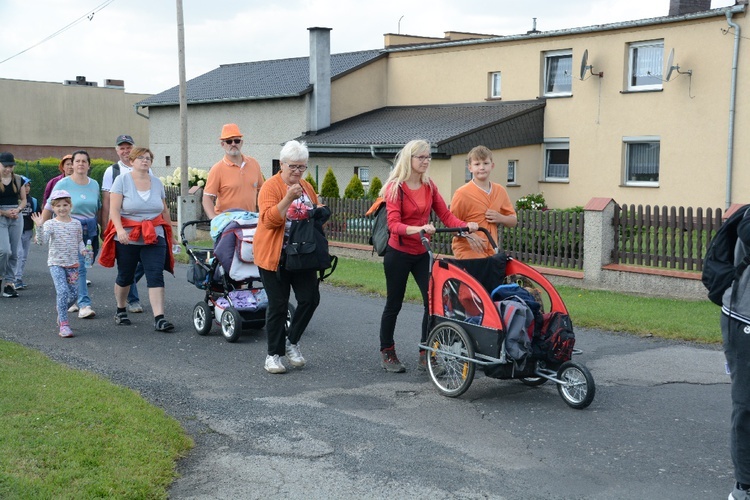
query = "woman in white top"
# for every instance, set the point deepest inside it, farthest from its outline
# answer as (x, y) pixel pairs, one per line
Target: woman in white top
(139, 216)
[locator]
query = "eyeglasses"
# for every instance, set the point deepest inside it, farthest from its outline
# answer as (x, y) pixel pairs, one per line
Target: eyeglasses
(422, 158)
(299, 168)
(144, 158)
(232, 141)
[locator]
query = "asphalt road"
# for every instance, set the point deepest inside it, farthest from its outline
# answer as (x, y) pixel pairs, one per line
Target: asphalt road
(343, 428)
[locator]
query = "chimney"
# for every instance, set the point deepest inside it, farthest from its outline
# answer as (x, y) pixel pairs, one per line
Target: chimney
(681, 7)
(320, 78)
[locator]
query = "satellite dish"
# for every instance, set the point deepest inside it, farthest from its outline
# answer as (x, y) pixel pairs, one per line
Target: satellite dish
(585, 66)
(670, 66)
(584, 62)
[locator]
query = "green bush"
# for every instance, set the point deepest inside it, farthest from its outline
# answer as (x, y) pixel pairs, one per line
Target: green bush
(330, 188)
(354, 190)
(375, 186)
(310, 179)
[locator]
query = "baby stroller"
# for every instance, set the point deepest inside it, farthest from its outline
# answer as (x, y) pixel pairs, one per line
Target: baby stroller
(234, 295)
(505, 317)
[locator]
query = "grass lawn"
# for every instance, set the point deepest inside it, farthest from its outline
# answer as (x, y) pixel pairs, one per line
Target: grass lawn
(65, 433)
(693, 320)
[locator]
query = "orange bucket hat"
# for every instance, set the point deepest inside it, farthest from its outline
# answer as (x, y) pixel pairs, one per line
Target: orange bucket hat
(62, 162)
(230, 130)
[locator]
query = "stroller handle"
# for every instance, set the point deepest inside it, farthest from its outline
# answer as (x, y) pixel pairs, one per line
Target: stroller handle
(458, 230)
(191, 223)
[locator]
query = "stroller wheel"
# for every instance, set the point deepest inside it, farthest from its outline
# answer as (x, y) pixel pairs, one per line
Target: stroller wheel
(289, 315)
(451, 374)
(202, 318)
(577, 389)
(231, 324)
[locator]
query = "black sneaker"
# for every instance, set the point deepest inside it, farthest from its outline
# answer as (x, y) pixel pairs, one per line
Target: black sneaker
(9, 291)
(121, 318)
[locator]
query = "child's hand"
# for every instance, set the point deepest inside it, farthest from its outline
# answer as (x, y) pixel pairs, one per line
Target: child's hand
(37, 218)
(493, 217)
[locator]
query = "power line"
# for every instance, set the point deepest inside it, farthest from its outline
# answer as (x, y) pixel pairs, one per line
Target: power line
(88, 15)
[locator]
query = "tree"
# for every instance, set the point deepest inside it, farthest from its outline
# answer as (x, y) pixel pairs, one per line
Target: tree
(375, 186)
(310, 179)
(354, 190)
(330, 188)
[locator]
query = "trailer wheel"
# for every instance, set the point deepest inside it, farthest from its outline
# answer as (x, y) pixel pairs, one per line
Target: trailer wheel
(577, 389)
(533, 381)
(451, 375)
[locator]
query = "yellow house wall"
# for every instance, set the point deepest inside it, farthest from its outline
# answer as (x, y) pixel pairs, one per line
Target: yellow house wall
(359, 91)
(689, 115)
(52, 114)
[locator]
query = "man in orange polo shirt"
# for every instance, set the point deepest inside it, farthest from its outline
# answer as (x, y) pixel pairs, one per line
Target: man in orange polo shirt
(234, 181)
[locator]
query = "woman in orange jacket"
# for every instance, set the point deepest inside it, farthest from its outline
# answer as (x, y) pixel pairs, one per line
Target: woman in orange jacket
(283, 198)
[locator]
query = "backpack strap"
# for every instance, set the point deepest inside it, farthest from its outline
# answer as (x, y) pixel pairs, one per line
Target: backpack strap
(115, 170)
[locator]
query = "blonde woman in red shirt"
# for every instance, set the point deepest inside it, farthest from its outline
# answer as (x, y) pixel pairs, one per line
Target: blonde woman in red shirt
(410, 197)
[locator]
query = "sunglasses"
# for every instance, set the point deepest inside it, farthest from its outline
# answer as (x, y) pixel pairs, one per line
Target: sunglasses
(233, 141)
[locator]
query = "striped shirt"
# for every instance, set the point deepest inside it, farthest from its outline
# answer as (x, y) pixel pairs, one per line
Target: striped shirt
(65, 241)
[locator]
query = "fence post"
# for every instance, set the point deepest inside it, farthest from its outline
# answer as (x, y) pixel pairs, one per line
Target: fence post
(598, 237)
(189, 208)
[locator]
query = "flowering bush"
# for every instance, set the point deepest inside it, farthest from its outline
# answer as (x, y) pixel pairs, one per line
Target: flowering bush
(531, 202)
(196, 177)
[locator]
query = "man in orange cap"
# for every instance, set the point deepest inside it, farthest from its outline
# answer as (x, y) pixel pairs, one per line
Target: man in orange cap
(234, 181)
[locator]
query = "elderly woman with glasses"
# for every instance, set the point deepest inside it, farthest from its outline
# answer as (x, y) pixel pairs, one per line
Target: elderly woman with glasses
(410, 196)
(139, 230)
(12, 201)
(283, 198)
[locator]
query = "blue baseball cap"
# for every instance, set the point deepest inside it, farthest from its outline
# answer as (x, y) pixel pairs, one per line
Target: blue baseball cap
(25, 180)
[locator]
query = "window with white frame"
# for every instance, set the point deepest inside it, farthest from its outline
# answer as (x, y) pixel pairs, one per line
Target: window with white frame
(642, 161)
(512, 164)
(558, 73)
(556, 159)
(646, 61)
(467, 172)
(495, 81)
(363, 173)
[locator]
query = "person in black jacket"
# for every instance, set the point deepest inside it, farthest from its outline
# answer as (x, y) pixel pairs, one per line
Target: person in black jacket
(735, 331)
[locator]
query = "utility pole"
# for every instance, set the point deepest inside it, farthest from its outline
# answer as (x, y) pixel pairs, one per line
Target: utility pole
(183, 103)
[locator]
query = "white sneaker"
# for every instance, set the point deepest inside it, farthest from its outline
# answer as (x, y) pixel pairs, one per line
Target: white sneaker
(294, 355)
(73, 308)
(274, 364)
(86, 312)
(135, 307)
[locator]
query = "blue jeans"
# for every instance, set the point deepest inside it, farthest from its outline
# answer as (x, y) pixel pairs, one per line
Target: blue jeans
(10, 236)
(23, 253)
(83, 289)
(133, 292)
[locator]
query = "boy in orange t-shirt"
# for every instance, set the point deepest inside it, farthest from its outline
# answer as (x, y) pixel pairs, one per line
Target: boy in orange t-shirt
(483, 202)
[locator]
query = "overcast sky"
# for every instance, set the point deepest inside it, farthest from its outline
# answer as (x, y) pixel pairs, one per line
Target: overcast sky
(136, 40)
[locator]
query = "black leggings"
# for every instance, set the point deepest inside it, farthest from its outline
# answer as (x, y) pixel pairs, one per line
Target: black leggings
(397, 266)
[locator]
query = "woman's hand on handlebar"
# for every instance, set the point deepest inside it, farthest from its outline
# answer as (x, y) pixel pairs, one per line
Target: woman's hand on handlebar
(472, 226)
(428, 229)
